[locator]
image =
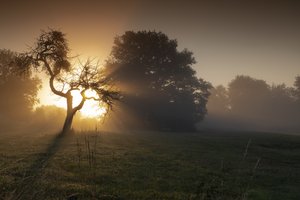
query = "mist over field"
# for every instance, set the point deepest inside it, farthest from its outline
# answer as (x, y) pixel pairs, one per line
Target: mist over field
(252, 104)
(245, 104)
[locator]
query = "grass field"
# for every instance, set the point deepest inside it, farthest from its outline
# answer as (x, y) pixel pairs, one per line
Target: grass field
(150, 165)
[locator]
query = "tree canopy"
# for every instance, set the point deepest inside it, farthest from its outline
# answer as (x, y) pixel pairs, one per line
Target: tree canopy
(161, 87)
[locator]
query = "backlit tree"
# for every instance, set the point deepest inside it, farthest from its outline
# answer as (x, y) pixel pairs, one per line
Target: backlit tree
(163, 90)
(50, 54)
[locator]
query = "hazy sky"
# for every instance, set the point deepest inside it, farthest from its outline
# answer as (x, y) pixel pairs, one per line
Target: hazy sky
(256, 37)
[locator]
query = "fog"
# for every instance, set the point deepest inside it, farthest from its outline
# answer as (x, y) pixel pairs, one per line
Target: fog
(251, 104)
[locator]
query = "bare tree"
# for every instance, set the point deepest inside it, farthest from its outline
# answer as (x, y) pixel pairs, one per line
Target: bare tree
(50, 54)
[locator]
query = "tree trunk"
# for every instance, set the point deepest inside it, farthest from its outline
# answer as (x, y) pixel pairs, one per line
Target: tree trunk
(68, 122)
(71, 111)
(70, 114)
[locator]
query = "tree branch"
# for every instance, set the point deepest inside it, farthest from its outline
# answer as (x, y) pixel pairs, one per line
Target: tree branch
(93, 98)
(54, 90)
(80, 105)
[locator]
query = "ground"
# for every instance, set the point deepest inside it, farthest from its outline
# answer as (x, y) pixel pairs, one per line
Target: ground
(149, 165)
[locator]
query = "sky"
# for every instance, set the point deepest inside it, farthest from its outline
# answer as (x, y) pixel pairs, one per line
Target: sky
(259, 38)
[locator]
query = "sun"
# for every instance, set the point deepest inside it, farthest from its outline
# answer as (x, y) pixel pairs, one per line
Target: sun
(91, 107)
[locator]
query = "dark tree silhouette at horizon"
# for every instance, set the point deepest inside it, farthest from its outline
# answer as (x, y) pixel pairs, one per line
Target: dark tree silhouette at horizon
(50, 54)
(297, 88)
(163, 90)
(252, 104)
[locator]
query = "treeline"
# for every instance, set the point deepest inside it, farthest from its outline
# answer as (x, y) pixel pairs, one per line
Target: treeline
(160, 88)
(252, 104)
(160, 91)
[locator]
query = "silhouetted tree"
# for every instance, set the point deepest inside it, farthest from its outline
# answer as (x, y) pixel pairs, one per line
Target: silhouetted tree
(50, 54)
(18, 92)
(162, 88)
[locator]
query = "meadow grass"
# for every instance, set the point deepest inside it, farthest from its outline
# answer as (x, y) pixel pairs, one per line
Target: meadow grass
(150, 165)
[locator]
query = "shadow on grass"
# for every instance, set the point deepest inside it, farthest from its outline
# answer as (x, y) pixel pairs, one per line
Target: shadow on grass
(26, 187)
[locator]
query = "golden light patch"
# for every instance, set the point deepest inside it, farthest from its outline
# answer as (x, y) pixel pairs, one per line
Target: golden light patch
(91, 107)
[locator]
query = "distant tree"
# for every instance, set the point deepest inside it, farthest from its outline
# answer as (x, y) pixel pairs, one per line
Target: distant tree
(252, 104)
(281, 105)
(297, 88)
(162, 88)
(50, 54)
(248, 96)
(218, 102)
(18, 92)
(296, 95)
(262, 106)
(281, 94)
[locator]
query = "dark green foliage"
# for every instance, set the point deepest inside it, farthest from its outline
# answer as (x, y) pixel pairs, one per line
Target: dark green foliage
(161, 88)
